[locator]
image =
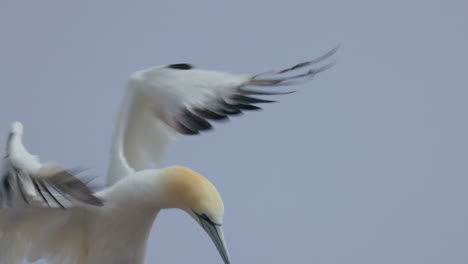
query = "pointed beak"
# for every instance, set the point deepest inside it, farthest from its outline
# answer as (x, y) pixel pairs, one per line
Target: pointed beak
(215, 231)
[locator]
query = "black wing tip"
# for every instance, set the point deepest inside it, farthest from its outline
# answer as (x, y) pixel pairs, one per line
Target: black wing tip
(180, 66)
(184, 130)
(209, 114)
(246, 107)
(249, 100)
(321, 58)
(257, 92)
(190, 123)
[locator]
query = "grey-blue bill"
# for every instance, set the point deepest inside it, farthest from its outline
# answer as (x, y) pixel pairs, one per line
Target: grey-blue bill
(215, 231)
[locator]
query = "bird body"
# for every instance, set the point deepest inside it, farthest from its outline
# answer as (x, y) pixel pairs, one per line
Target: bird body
(114, 233)
(112, 226)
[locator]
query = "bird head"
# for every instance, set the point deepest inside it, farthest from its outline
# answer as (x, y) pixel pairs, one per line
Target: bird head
(193, 193)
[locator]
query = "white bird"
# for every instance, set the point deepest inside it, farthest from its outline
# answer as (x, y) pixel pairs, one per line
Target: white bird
(161, 102)
(34, 224)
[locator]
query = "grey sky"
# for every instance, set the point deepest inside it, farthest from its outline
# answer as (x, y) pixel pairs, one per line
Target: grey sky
(368, 163)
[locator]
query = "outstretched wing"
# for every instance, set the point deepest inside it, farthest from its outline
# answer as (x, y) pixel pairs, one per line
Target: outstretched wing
(164, 101)
(41, 207)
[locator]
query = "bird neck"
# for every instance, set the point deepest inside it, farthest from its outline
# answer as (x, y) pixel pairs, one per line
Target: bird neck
(118, 165)
(141, 190)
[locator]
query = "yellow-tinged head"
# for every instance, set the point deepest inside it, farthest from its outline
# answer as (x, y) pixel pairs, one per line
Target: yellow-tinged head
(189, 190)
(193, 193)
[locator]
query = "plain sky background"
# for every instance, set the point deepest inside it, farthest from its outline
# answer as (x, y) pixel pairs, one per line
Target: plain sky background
(365, 164)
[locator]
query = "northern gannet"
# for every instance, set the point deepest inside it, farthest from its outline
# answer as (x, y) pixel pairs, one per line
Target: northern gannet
(161, 103)
(47, 213)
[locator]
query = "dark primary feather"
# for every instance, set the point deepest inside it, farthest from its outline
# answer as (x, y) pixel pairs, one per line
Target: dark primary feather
(194, 122)
(37, 187)
(183, 129)
(208, 114)
(246, 99)
(191, 121)
(226, 108)
(20, 185)
(69, 186)
(314, 61)
(44, 188)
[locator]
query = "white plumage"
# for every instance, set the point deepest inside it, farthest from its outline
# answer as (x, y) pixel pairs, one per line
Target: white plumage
(160, 103)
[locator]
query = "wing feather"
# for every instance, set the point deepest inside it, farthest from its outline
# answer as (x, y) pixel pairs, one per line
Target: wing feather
(165, 101)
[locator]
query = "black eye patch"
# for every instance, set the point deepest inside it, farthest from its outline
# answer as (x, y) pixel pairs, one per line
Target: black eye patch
(180, 66)
(205, 218)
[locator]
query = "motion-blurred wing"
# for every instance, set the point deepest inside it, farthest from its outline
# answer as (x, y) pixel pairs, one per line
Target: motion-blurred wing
(41, 208)
(61, 189)
(164, 101)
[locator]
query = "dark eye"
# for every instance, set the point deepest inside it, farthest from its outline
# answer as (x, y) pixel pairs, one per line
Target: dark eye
(205, 218)
(180, 66)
